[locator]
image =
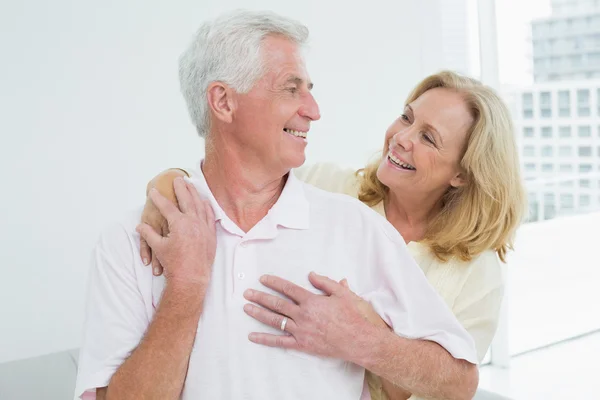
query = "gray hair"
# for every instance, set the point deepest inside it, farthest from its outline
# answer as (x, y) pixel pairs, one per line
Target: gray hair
(228, 49)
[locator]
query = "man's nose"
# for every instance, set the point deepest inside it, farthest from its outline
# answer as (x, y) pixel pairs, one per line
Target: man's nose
(310, 108)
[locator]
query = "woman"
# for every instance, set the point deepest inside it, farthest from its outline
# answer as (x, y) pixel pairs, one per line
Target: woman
(448, 180)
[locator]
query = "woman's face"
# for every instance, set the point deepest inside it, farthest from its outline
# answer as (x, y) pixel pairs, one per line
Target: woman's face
(423, 147)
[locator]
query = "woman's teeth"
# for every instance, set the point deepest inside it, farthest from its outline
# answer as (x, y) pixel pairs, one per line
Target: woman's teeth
(296, 133)
(394, 160)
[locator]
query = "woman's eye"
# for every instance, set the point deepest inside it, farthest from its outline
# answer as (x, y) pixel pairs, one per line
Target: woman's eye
(428, 138)
(404, 118)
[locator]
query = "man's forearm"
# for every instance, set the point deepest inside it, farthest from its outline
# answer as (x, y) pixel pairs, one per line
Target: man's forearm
(157, 368)
(421, 367)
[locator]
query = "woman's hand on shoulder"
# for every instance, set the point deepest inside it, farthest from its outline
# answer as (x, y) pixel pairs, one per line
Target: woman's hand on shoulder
(163, 182)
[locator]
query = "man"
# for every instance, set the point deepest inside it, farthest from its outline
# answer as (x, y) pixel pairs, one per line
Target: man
(189, 333)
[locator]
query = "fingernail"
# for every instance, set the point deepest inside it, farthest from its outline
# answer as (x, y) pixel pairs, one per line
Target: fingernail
(145, 261)
(263, 279)
(252, 336)
(156, 271)
(247, 308)
(248, 293)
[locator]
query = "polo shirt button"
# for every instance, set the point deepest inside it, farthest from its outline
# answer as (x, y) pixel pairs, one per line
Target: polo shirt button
(241, 275)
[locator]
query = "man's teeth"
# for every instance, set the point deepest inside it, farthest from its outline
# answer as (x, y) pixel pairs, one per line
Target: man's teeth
(399, 163)
(295, 133)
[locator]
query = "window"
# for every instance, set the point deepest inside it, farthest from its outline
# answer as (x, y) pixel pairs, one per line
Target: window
(598, 103)
(564, 103)
(585, 151)
(530, 167)
(584, 131)
(549, 198)
(545, 104)
(566, 200)
(594, 58)
(527, 99)
(565, 168)
(568, 183)
(598, 151)
(547, 167)
(585, 168)
(547, 132)
(547, 151)
(564, 131)
(528, 131)
(576, 60)
(584, 183)
(529, 151)
(584, 200)
(583, 102)
(565, 151)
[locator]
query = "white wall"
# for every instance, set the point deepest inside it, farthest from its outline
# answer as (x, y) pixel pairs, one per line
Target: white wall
(91, 110)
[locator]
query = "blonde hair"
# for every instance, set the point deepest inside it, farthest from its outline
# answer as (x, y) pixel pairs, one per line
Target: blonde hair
(484, 213)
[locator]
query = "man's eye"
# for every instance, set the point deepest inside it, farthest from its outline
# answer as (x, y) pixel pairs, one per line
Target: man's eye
(292, 89)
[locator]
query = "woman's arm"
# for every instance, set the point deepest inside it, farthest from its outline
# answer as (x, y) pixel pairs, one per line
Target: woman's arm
(163, 182)
(477, 308)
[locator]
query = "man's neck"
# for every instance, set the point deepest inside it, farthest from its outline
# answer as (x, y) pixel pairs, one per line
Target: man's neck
(245, 191)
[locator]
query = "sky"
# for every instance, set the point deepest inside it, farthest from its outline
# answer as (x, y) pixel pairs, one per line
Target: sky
(514, 37)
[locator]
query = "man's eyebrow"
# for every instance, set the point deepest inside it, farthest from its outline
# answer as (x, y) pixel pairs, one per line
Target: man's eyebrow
(296, 80)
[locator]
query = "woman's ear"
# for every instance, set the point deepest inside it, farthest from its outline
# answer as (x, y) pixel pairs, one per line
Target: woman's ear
(458, 180)
(221, 101)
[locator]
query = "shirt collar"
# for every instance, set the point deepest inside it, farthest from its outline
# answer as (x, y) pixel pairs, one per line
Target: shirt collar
(291, 209)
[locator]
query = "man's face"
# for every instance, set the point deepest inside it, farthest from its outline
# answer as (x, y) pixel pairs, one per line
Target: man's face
(271, 121)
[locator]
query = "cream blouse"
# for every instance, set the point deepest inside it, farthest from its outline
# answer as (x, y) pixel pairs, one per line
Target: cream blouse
(473, 289)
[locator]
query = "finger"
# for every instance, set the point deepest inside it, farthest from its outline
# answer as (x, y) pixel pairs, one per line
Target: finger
(323, 283)
(149, 235)
(198, 203)
(267, 339)
(167, 209)
(210, 216)
(273, 303)
(344, 283)
(287, 288)
(157, 269)
(145, 251)
(269, 317)
(184, 197)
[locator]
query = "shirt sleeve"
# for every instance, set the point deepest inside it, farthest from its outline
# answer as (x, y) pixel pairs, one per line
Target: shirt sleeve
(116, 316)
(401, 294)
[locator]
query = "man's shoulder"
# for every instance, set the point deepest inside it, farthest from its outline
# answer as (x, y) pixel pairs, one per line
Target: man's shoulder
(350, 211)
(119, 239)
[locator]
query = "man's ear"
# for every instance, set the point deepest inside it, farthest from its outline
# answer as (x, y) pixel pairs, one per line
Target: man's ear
(458, 180)
(221, 101)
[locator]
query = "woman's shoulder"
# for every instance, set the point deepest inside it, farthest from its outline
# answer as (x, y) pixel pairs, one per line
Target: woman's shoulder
(330, 177)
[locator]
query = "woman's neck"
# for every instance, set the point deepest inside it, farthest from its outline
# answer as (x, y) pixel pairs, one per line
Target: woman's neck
(410, 216)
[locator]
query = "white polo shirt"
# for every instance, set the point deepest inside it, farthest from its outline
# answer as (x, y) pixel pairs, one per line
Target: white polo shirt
(306, 230)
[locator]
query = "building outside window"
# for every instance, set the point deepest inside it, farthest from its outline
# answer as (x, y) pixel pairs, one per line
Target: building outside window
(564, 131)
(528, 132)
(527, 105)
(584, 131)
(565, 168)
(547, 167)
(565, 151)
(547, 151)
(583, 168)
(566, 201)
(583, 102)
(564, 103)
(546, 104)
(529, 151)
(585, 151)
(584, 200)
(547, 132)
